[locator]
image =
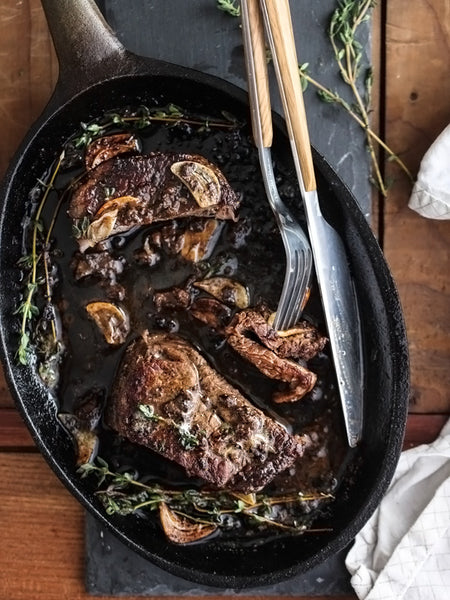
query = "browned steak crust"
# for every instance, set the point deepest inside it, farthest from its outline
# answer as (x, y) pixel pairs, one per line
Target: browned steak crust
(162, 194)
(194, 417)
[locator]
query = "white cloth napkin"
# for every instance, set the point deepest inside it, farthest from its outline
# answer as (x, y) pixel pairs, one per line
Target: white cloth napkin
(403, 552)
(431, 193)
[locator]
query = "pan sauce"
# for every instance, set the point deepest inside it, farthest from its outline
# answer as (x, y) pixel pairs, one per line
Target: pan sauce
(249, 251)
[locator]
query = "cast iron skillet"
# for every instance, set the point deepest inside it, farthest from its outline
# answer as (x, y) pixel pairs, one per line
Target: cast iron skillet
(97, 74)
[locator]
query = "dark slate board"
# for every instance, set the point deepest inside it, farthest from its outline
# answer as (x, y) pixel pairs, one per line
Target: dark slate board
(112, 569)
(193, 33)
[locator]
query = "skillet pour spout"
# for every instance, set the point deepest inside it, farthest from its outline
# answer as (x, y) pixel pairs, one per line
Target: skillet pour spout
(107, 78)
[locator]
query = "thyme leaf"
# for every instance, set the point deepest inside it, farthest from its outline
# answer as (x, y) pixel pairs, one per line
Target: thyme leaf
(188, 439)
(80, 227)
(229, 7)
(343, 34)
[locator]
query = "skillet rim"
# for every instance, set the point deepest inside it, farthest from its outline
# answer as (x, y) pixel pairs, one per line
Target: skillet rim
(398, 409)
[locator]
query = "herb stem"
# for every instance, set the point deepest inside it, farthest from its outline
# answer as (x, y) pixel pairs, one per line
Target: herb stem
(27, 308)
(334, 97)
(208, 503)
(188, 121)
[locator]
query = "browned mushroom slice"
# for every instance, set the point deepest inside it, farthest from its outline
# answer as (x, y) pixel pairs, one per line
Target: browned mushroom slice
(201, 181)
(177, 298)
(198, 242)
(112, 321)
(181, 530)
(211, 312)
(112, 217)
(85, 440)
(226, 290)
(106, 147)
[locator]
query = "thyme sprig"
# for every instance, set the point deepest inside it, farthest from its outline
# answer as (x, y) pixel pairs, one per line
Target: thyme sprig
(39, 252)
(144, 117)
(344, 24)
(343, 35)
(123, 493)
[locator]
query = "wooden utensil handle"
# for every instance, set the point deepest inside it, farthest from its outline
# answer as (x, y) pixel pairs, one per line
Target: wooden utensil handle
(260, 96)
(279, 25)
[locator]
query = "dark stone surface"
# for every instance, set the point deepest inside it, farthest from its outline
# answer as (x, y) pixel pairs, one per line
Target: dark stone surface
(195, 34)
(112, 569)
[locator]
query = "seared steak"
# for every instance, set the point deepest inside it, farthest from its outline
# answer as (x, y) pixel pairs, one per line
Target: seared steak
(165, 185)
(168, 398)
(269, 352)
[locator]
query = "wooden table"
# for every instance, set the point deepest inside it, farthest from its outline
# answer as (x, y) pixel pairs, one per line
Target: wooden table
(42, 525)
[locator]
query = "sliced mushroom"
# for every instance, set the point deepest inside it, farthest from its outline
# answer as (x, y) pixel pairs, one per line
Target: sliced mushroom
(112, 217)
(98, 230)
(201, 181)
(107, 147)
(226, 290)
(198, 244)
(88, 408)
(211, 312)
(112, 321)
(181, 530)
(85, 440)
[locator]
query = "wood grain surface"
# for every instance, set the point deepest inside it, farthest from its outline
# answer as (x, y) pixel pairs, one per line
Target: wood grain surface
(417, 249)
(42, 553)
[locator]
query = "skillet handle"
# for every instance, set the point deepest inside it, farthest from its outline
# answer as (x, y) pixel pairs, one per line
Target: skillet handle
(87, 49)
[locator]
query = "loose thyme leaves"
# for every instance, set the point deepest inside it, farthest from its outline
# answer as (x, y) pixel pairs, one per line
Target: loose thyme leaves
(188, 439)
(80, 227)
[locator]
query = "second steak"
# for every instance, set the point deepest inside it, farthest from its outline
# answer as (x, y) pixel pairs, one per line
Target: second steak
(168, 398)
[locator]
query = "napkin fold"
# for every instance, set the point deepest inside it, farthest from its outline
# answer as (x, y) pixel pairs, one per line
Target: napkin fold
(403, 552)
(431, 192)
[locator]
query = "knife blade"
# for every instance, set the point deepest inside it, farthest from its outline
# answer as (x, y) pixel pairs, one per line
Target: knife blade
(331, 263)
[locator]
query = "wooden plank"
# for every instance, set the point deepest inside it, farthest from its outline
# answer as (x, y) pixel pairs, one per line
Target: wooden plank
(5, 396)
(13, 431)
(28, 73)
(417, 249)
(27, 76)
(42, 533)
(423, 429)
